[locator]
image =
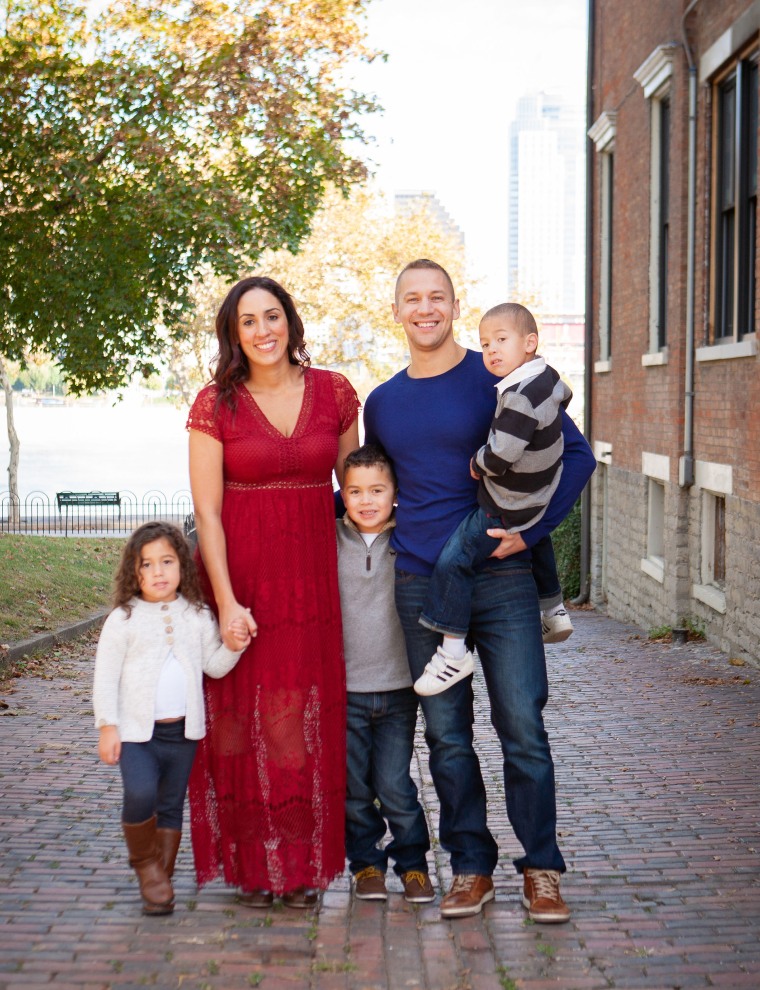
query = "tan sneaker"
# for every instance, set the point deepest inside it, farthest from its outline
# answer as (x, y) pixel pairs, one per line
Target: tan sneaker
(469, 892)
(369, 884)
(542, 898)
(417, 887)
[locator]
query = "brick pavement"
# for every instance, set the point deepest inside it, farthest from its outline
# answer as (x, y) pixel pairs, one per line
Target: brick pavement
(658, 755)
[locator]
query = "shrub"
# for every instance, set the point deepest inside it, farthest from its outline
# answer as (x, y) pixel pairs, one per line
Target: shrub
(566, 539)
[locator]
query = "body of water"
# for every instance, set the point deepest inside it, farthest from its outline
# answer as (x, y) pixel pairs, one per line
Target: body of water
(89, 446)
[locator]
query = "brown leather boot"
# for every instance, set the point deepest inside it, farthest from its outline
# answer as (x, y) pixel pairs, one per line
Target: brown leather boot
(145, 859)
(168, 844)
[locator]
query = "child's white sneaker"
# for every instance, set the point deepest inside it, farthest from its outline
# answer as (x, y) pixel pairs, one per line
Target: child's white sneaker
(556, 627)
(443, 671)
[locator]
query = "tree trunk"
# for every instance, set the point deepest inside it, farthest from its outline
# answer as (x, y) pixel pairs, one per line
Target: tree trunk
(14, 505)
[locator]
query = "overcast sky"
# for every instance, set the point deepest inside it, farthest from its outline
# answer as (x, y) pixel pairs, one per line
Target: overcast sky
(455, 71)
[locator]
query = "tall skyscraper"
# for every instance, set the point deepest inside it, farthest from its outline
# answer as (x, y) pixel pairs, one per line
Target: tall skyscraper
(406, 201)
(547, 204)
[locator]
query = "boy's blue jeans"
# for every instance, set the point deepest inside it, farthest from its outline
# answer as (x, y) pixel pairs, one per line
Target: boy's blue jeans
(155, 775)
(448, 606)
(379, 750)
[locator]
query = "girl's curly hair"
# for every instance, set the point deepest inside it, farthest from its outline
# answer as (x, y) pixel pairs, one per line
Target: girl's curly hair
(126, 580)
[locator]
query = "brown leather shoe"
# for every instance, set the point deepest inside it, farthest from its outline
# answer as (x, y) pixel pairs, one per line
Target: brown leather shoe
(255, 898)
(301, 897)
(469, 892)
(369, 884)
(542, 898)
(417, 887)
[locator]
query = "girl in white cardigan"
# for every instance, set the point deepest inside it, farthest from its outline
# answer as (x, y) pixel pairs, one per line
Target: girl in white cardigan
(148, 695)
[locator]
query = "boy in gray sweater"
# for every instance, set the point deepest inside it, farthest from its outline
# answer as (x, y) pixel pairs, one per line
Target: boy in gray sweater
(382, 707)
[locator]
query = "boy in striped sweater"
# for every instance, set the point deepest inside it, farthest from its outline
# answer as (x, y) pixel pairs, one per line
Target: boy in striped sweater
(518, 468)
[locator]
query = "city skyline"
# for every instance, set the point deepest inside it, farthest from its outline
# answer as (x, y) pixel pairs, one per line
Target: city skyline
(547, 204)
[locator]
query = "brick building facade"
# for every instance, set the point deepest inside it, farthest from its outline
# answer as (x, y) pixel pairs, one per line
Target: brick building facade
(672, 315)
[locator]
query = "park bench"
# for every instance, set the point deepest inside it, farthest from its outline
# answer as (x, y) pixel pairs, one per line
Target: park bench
(68, 500)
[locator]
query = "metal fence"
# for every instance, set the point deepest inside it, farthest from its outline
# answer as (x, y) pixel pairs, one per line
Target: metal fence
(41, 514)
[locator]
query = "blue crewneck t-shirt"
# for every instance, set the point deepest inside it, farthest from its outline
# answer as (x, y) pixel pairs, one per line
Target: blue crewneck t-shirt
(430, 428)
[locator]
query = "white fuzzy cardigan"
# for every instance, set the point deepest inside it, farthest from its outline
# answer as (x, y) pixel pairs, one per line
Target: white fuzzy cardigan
(131, 652)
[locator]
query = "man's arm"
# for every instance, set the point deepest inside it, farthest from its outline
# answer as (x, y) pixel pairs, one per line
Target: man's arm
(578, 464)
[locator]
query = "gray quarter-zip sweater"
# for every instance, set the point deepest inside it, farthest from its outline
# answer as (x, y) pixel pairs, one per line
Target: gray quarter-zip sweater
(373, 641)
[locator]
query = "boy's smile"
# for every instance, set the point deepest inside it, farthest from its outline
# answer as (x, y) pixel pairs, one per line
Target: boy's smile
(369, 493)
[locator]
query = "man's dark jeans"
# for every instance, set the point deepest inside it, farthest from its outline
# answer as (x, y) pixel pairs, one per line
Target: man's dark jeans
(507, 632)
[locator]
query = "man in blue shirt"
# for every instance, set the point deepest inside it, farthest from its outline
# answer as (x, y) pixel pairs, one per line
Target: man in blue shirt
(430, 418)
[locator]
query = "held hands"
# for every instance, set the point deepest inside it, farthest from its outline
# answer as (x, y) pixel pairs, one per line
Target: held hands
(237, 627)
(510, 543)
(109, 744)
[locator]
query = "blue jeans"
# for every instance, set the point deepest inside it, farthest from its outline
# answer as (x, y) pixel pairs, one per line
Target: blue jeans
(507, 632)
(379, 750)
(448, 606)
(155, 775)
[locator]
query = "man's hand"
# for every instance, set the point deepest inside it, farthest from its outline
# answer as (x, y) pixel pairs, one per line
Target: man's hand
(510, 543)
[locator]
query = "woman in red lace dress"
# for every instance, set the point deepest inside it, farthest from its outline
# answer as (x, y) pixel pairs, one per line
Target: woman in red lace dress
(268, 786)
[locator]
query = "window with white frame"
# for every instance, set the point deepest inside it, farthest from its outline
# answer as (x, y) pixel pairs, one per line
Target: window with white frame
(735, 102)
(602, 133)
(713, 540)
(656, 469)
(715, 482)
(654, 75)
(656, 522)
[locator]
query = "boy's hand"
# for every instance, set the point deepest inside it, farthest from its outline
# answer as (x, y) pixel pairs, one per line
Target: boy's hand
(109, 744)
(510, 543)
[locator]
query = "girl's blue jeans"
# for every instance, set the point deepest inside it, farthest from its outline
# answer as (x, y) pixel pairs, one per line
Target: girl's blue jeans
(155, 775)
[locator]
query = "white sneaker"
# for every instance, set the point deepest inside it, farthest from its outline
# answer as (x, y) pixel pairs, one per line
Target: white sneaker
(556, 627)
(443, 671)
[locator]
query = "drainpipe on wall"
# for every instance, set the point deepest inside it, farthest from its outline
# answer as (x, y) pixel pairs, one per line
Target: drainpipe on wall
(585, 558)
(686, 465)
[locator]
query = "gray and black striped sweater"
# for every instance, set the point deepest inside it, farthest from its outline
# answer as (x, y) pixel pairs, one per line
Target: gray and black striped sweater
(521, 464)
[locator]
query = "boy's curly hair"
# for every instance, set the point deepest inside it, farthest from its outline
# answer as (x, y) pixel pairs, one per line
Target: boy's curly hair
(126, 582)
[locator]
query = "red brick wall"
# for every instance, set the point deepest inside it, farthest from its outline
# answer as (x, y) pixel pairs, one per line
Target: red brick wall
(634, 407)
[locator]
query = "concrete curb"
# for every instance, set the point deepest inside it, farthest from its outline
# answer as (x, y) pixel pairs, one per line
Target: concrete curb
(47, 640)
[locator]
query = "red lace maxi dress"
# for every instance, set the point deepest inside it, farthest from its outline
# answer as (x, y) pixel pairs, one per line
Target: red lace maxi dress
(267, 790)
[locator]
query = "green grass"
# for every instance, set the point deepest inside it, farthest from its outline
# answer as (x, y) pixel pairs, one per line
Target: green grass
(47, 582)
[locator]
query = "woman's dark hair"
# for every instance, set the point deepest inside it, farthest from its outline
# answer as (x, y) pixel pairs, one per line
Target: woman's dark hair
(231, 363)
(127, 582)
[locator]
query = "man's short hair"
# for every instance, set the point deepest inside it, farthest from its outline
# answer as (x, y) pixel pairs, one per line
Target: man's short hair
(369, 455)
(521, 318)
(425, 263)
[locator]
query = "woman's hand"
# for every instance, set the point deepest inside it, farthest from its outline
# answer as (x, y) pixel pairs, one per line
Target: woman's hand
(109, 744)
(510, 543)
(236, 626)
